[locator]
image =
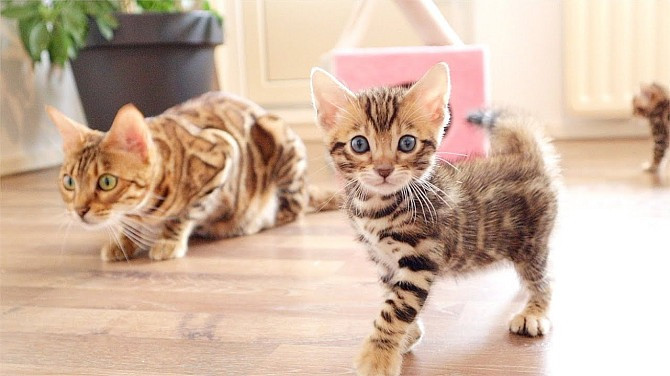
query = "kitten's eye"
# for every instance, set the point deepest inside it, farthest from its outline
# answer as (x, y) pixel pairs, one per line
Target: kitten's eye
(360, 144)
(68, 182)
(407, 143)
(107, 182)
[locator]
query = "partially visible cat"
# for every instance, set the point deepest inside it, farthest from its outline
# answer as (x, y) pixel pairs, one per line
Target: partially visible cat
(653, 103)
(421, 218)
(216, 165)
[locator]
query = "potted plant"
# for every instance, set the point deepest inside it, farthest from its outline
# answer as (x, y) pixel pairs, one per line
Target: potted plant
(153, 53)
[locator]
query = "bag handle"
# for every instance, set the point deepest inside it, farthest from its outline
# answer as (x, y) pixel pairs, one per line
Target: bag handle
(423, 15)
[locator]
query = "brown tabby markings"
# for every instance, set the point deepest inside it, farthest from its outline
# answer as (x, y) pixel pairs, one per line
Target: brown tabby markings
(217, 165)
(653, 103)
(437, 220)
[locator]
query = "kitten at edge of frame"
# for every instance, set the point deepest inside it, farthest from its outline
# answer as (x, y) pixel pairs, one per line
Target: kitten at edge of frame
(420, 218)
(217, 166)
(653, 103)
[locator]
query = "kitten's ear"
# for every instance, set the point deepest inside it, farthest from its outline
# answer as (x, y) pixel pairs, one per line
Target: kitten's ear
(329, 96)
(431, 93)
(129, 133)
(71, 131)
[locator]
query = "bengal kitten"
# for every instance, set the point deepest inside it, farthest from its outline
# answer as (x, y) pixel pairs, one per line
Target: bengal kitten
(653, 103)
(421, 218)
(217, 165)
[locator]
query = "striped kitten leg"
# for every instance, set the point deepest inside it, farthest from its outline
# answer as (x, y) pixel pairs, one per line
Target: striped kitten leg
(174, 242)
(660, 133)
(532, 321)
(396, 328)
(415, 330)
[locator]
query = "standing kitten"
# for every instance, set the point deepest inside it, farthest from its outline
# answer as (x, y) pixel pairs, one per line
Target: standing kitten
(217, 165)
(653, 103)
(420, 218)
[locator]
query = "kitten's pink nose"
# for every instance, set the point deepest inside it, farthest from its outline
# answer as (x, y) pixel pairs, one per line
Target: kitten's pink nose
(384, 171)
(82, 211)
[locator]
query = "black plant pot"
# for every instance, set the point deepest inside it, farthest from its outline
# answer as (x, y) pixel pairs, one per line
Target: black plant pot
(155, 60)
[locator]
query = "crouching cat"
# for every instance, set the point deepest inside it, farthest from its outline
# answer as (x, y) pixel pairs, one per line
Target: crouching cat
(217, 165)
(421, 218)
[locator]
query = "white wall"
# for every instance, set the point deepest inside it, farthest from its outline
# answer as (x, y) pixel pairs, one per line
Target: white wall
(527, 67)
(28, 140)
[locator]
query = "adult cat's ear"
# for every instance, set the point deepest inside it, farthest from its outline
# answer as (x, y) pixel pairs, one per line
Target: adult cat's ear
(329, 97)
(431, 93)
(71, 131)
(129, 133)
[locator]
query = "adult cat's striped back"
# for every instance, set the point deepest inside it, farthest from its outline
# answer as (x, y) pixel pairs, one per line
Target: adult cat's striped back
(217, 165)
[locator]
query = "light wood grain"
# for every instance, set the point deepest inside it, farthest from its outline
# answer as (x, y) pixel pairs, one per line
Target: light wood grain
(298, 300)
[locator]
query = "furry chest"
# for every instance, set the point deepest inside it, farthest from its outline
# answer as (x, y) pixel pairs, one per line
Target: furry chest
(382, 248)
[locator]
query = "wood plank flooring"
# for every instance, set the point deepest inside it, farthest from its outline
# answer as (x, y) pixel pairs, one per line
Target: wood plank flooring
(298, 300)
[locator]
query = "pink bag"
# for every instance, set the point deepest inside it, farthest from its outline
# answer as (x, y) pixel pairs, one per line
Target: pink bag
(361, 68)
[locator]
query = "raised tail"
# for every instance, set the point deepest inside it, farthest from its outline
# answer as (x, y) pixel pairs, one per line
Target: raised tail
(323, 199)
(514, 134)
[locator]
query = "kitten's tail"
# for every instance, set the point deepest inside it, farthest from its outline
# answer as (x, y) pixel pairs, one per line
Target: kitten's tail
(323, 199)
(514, 134)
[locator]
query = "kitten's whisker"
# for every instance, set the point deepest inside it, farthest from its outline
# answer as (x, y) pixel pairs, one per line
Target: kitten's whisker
(436, 190)
(449, 163)
(452, 153)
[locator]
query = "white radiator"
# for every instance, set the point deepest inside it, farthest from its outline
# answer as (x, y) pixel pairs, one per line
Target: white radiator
(611, 47)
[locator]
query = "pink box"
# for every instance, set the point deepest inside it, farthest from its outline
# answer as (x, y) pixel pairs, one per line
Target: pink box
(362, 68)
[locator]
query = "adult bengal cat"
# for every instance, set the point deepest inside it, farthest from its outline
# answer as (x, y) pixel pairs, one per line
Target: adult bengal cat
(217, 165)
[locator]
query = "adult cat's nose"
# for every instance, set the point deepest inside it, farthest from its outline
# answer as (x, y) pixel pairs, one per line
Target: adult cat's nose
(82, 211)
(384, 171)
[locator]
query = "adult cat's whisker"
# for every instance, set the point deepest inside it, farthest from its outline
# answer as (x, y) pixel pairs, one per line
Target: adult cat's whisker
(118, 242)
(136, 235)
(68, 225)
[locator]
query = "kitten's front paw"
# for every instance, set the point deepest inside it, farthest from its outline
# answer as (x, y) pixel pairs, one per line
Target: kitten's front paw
(650, 167)
(529, 325)
(375, 361)
(112, 252)
(166, 249)
(413, 337)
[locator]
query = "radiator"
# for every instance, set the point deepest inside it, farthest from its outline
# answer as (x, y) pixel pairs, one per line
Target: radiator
(610, 48)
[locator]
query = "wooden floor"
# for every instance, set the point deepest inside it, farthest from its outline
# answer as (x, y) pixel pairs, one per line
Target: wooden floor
(298, 300)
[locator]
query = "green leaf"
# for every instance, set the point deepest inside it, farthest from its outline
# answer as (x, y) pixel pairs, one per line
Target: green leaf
(59, 45)
(25, 27)
(206, 6)
(38, 40)
(157, 5)
(21, 11)
(105, 29)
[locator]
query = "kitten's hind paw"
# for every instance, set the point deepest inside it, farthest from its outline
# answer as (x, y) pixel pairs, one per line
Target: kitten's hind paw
(166, 249)
(413, 337)
(529, 325)
(650, 167)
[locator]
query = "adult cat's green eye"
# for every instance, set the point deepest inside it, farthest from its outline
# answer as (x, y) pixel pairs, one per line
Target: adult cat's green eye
(68, 182)
(107, 182)
(407, 143)
(360, 144)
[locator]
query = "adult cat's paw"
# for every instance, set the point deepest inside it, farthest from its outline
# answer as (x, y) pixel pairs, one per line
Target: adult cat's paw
(375, 361)
(529, 325)
(413, 337)
(113, 252)
(165, 249)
